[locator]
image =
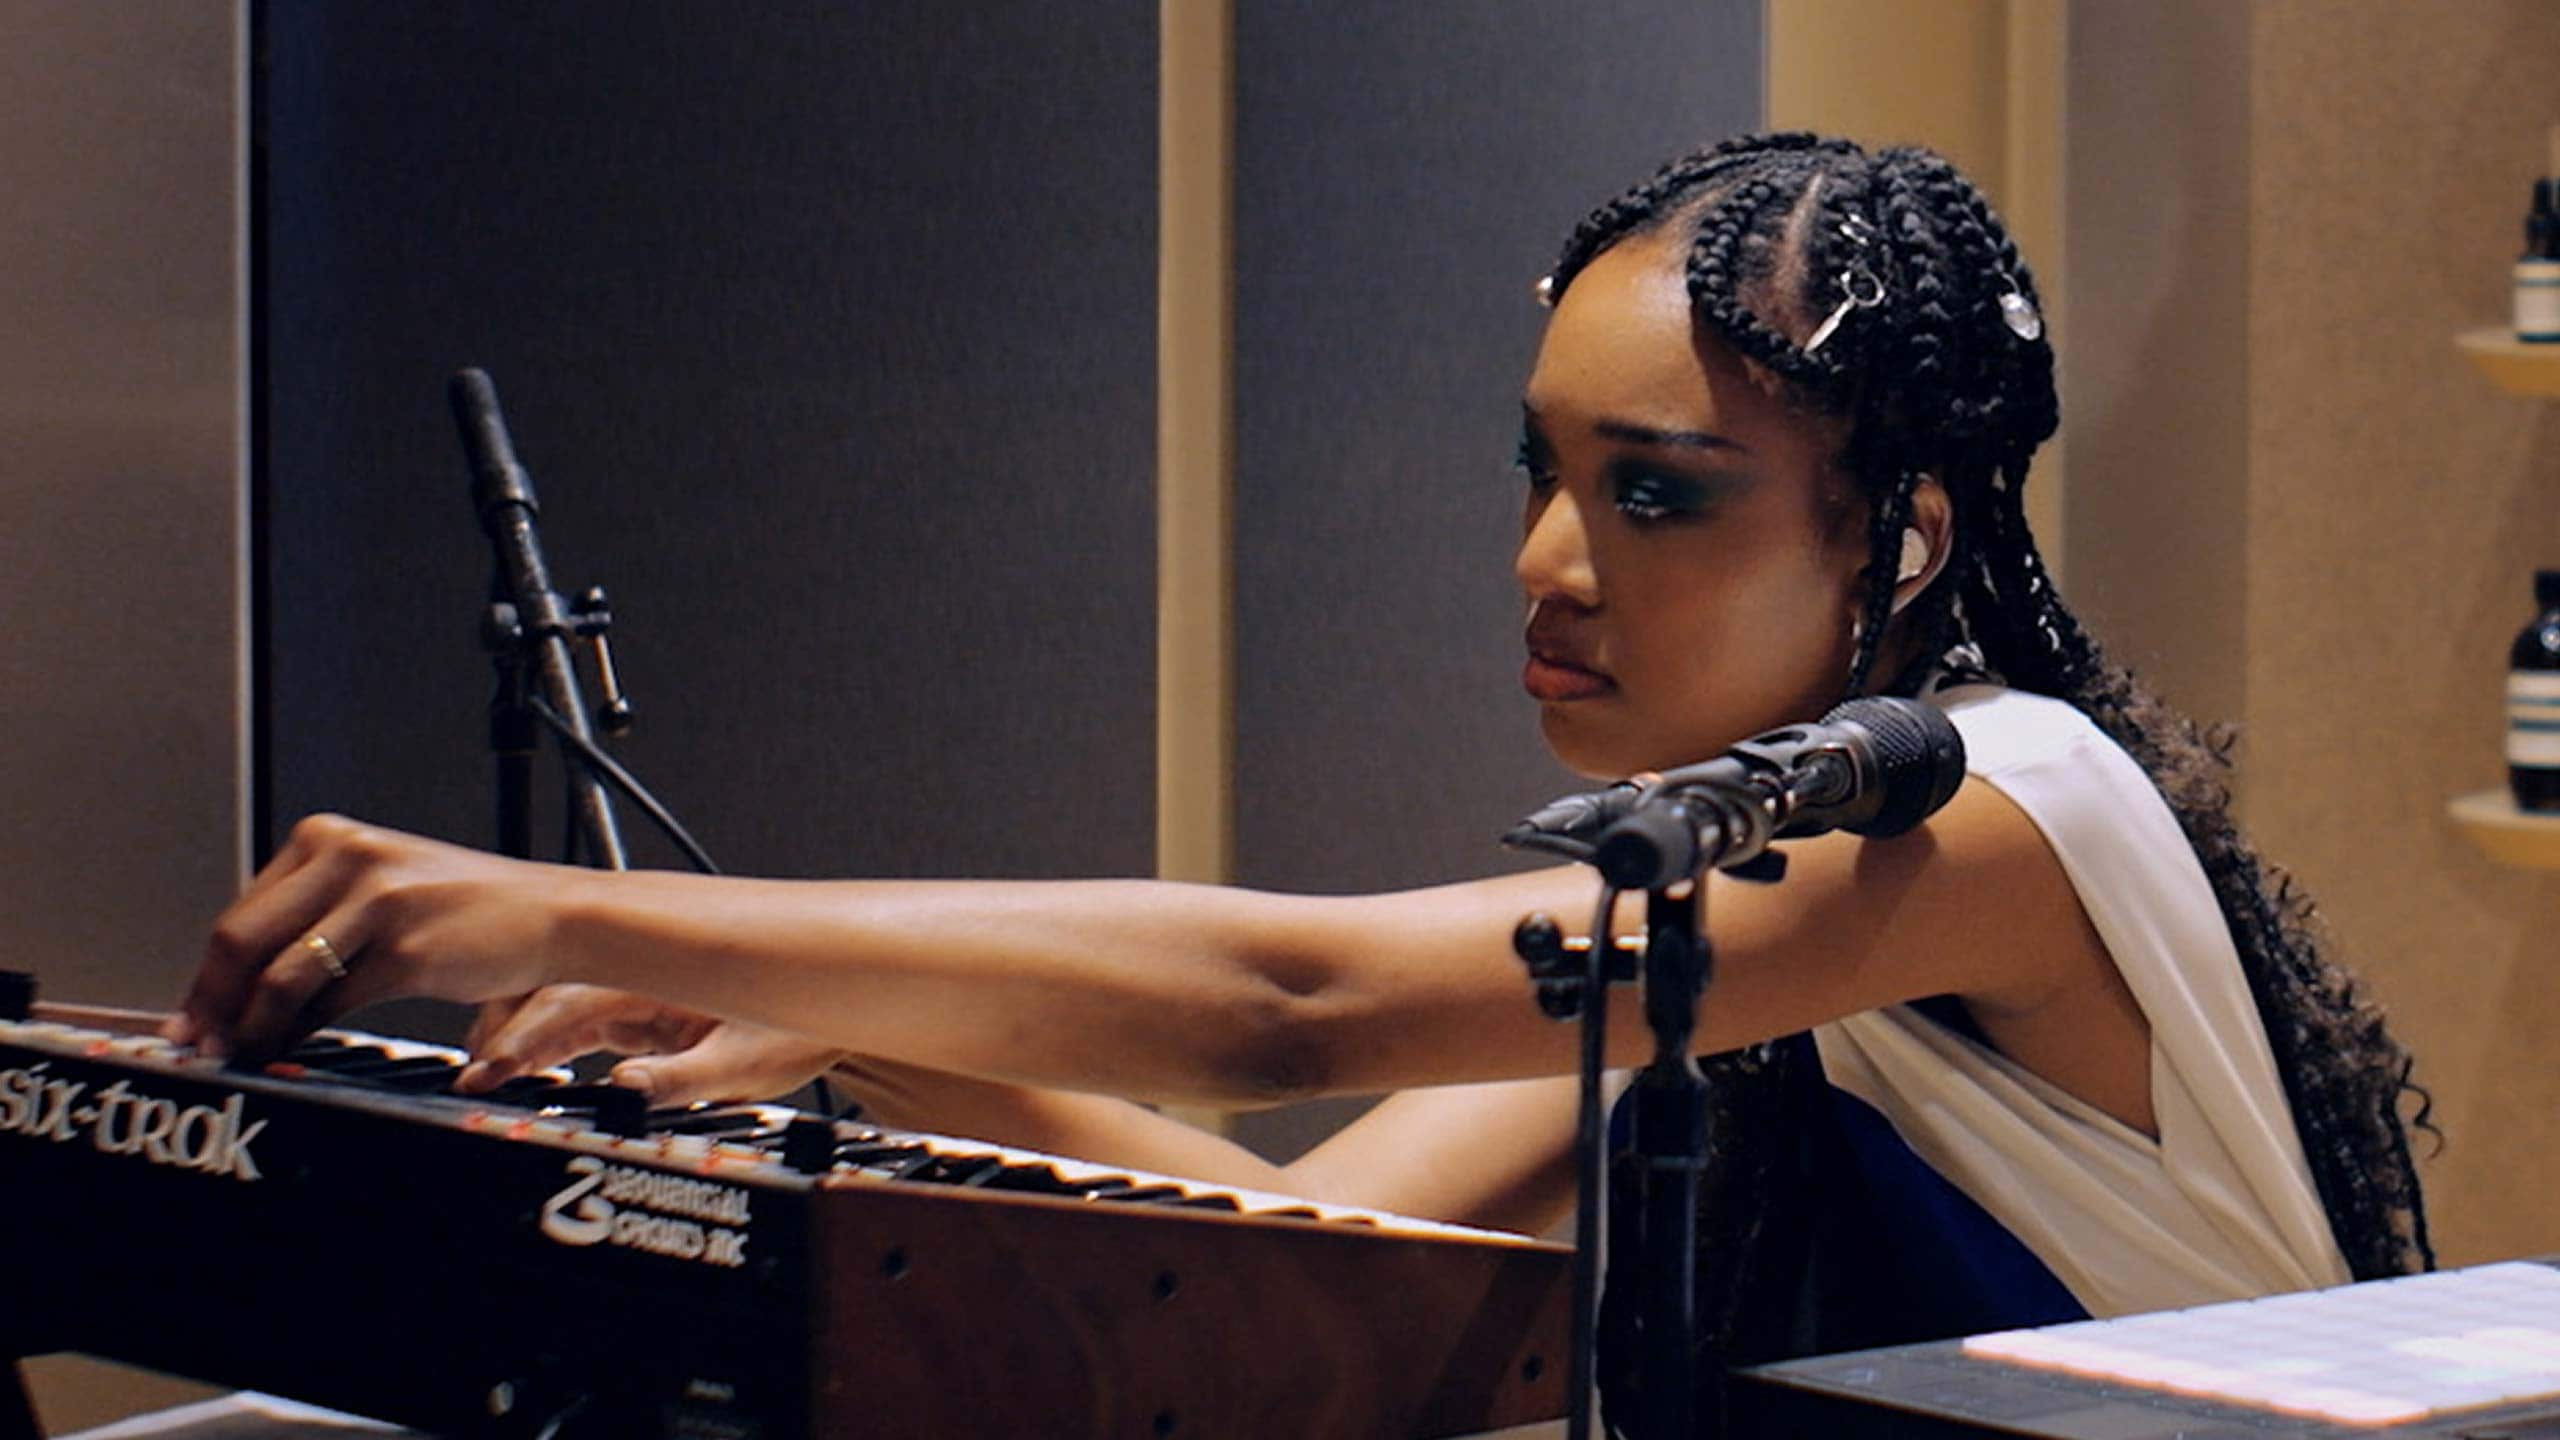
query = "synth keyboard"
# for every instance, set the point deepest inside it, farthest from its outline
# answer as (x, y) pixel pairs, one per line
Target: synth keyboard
(555, 1260)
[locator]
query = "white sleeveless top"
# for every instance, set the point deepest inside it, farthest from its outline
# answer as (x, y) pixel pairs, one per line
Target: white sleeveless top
(2222, 1205)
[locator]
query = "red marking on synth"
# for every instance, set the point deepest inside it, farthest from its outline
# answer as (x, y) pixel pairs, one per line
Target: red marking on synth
(520, 1129)
(287, 1070)
(97, 1048)
(476, 1121)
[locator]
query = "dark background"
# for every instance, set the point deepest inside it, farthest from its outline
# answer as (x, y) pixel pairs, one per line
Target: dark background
(827, 332)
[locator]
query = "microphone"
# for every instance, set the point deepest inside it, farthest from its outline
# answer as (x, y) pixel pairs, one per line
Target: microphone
(498, 479)
(1873, 766)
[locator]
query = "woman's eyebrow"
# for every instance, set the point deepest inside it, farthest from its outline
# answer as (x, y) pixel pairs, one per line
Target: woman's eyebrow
(1647, 435)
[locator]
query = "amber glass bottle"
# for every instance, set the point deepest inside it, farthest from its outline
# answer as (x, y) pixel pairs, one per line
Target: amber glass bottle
(2533, 702)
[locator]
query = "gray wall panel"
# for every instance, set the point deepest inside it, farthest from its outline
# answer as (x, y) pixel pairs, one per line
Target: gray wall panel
(827, 333)
(1403, 173)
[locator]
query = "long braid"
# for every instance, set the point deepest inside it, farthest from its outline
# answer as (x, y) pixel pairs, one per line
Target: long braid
(1934, 380)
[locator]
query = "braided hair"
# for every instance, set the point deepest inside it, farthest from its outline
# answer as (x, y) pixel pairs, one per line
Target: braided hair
(1881, 289)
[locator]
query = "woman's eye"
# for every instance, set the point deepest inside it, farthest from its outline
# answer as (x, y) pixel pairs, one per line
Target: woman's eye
(1534, 467)
(1647, 498)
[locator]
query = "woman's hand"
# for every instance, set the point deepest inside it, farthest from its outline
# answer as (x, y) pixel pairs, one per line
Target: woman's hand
(679, 1056)
(347, 914)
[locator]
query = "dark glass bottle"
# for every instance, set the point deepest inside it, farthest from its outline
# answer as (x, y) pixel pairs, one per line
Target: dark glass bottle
(2533, 702)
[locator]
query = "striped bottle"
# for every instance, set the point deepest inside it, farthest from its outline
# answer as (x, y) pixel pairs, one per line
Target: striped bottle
(2533, 702)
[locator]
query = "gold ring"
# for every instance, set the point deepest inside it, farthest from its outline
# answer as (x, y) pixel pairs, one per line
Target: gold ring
(326, 953)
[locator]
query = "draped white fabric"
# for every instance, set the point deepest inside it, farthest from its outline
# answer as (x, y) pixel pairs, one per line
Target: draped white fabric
(2222, 1205)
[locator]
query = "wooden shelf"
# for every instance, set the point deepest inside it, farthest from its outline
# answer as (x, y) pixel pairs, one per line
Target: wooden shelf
(2513, 365)
(2506, 834)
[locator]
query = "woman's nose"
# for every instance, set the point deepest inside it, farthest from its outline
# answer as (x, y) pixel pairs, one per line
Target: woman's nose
(1555, 554)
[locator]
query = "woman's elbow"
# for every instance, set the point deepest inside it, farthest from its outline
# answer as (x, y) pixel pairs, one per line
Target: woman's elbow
(1279, 1048)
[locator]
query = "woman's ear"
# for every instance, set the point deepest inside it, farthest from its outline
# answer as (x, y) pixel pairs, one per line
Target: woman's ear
(1927, 539)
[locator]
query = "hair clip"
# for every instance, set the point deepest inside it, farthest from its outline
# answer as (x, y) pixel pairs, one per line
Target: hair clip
(2017, 311)
(1545, 290)
(1859, 287)
(1859, 290)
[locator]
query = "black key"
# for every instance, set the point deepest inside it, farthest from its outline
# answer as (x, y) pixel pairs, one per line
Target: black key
(1143, 1194)
(420, 1081)
(715, 1120)
(861, 1154)
(342, 1057)
(907, 1169)
(395, 1067)
(1035, 1180)
(972, 1170)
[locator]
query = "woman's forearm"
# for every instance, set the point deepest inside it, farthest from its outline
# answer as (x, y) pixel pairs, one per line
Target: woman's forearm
(1059, 1122)
(1056, 982)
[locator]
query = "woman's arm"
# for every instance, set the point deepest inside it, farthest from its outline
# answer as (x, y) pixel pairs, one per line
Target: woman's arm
(1493, 1155)
(1497, 1155)
(1149, 989)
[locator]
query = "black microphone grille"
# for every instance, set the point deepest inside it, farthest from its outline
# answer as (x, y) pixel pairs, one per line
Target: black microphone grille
(1919, 758)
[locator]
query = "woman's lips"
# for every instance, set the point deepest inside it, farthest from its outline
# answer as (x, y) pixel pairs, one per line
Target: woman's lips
(1550, 679)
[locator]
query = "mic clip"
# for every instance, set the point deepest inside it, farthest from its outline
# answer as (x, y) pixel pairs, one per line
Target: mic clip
(1556, 963)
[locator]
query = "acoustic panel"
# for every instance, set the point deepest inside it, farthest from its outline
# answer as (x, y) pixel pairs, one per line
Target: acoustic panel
(827, 333)
(1403, 174)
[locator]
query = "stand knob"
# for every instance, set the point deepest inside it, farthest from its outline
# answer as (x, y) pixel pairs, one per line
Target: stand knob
(17, 995)
(594, 620)
(1556, 963)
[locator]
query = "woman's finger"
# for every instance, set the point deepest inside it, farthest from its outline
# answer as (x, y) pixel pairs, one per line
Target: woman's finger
(491, 1018)
(274, 1009)
(251, 934)
(553, 1024)
(733, 1062)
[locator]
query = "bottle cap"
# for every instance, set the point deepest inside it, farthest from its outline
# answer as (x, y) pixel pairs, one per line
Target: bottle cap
(2546, 589)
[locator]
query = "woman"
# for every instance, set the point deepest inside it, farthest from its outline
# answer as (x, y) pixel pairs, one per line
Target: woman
(1774, 442)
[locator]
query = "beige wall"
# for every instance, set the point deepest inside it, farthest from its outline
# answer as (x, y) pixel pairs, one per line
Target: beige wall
(120, 520)
(2298, 509)
(2154, 354)
(2397, 506)
(2290, 504)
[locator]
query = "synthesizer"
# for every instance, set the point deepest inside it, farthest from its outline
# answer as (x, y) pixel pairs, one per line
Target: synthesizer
(557, 1261)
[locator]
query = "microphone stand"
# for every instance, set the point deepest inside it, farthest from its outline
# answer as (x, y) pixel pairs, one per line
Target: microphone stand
(1873, 766)
(527, 629)
(1666, 1110)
